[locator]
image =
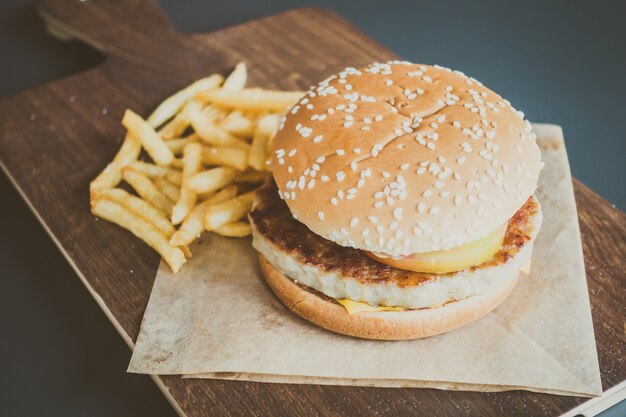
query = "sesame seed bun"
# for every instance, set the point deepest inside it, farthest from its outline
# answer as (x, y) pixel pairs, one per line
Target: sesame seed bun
(400, 158)
(385, 325)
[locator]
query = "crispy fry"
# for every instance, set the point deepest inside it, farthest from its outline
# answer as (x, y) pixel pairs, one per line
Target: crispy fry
(151, 141)
(175, 177)
(191, 228)
(177, 163)
(212, 179)
(177, 145)
(234, 229)
(235, 157)
(222, 195)
(210, 133)
(236, 123)
(227, 212)
(254, 99)
(193, 225)
(149, 169)
(181, 121)
(170, 190)
(147, 190)
(141, 228)
(175, 102)
(258, 153)
(112, 175)
(237, 79)
(186, 251)
(192, 161)
(138, 206)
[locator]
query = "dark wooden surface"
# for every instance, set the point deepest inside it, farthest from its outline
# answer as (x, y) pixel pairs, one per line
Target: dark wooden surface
(56, 137)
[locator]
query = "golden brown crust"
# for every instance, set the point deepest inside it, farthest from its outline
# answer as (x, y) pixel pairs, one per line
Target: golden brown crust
(410, 324)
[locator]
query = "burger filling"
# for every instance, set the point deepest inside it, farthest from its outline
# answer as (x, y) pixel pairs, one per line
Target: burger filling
(362, 281)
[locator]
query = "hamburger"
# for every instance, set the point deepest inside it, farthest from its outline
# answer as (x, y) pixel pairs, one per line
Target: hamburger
(402, 202)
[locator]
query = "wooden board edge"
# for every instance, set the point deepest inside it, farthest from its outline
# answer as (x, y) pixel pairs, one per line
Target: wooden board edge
(116, 324)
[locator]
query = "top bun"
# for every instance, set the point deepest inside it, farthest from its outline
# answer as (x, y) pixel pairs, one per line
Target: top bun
(399, 158)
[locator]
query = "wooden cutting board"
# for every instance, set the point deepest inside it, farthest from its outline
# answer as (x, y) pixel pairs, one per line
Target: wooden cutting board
(57, 137)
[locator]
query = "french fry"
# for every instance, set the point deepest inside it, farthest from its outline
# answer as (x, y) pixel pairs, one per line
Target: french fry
(210, 133)
(234, 229)
(192, 161)
(212, 179)
(258, 152)
(112, 175)
(237, 79)
(186, 250)
(177, 145)
(181, 121)
(171, 105)
(141, 228)
(191, 228)
(175, 177)
(151, 141)
(138, 206)
(170, 190)
(235, 157)
(177, 163)
(193, 225)
(222, 195)
(227, 212)
(147, 189)
(251, 99)
(237, 124)
(149, 169)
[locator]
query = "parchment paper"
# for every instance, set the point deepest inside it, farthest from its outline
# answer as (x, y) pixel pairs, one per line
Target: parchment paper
(218, 319)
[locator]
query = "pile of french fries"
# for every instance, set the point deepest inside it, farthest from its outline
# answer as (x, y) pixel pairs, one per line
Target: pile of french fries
(209, 148)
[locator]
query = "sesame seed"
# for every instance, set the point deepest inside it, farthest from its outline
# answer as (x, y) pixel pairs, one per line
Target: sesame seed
(325, 178)
(318, 138)
(333, 201)
(427, 193)
(404, 166)
(320, 214)
(340, 176)
(397, 213)
(458, 200)
(378, 204)
(354, 221)
(372, 219)
(434, 210)
(340, 152)
(421, 207)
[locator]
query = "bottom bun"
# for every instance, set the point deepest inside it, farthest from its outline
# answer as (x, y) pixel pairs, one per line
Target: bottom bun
(384, 325)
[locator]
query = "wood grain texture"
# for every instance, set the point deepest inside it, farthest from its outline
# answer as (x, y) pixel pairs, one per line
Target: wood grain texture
(57, 137)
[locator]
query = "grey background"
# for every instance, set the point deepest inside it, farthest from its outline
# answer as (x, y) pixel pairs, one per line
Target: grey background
(559, 61)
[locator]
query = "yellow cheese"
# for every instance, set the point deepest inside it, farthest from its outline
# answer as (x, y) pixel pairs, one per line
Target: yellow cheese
(451, 260)
(355, 307)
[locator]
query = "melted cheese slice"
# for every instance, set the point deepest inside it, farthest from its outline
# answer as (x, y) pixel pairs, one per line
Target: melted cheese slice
(355, 307)
(451, 260)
